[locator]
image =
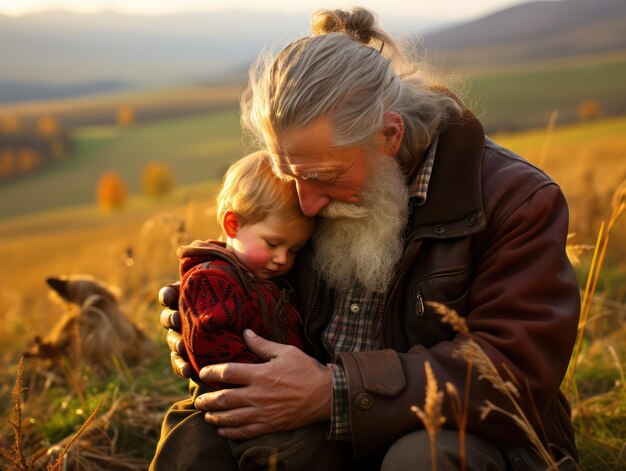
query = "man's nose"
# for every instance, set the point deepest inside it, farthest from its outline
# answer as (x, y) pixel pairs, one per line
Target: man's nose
(312, 200)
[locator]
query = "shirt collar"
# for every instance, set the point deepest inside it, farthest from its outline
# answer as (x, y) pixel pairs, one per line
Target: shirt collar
(419, 187)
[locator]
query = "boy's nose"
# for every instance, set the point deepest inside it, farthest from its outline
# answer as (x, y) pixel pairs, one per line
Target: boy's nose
(280, 257)
(312, 200)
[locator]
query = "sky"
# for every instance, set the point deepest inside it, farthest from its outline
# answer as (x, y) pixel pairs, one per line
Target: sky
(445, 10)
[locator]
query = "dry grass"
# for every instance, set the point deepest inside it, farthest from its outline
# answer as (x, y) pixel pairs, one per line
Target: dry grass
(59, 453)
(475, 357)
(135, 251)
(600, 249)
(431, 415)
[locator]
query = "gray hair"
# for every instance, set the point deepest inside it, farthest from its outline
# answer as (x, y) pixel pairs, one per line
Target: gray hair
(352, 72)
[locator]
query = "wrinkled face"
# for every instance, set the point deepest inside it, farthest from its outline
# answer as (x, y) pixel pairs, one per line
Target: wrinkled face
(268, 248)
(322, 172)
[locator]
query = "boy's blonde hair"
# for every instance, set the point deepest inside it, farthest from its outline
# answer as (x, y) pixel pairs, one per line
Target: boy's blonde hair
(252, 191)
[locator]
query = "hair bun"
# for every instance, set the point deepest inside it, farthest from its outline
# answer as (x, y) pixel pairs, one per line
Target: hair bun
(357, 22)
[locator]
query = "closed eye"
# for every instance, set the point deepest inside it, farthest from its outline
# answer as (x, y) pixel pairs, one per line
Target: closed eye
(318, 177)
(271, 244)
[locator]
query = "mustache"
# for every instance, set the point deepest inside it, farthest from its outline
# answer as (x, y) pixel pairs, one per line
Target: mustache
(343, 210)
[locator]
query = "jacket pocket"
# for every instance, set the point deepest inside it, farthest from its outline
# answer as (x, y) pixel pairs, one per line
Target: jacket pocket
(381, 372)
(423, 323)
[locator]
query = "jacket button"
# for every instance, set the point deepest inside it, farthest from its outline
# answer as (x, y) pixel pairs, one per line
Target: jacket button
(364, 401)
(441, 228)
(471, 220)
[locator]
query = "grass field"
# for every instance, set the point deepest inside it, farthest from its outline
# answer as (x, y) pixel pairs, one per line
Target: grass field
(49, 225)
(523, 97)
(197, 148)
(200, 146)
(586, 159)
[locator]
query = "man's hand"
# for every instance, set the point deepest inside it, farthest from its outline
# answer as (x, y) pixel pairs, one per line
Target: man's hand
(170, 320)
(289, 391)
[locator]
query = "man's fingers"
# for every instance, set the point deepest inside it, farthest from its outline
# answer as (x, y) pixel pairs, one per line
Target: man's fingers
(223, 400)
(180, 367)
(265, 349)
(230, 373)
(175, 342)
(232, 418)
(245, 432)
(170, 319)
(168, 295)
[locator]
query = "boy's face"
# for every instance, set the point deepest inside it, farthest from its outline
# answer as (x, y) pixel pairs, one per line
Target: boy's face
(268, 248)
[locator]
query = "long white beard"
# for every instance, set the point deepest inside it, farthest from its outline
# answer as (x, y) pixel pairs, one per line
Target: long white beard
(362, 243)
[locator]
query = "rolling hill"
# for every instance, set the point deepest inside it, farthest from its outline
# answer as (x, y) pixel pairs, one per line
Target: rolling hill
(56, 54)
(535, 31)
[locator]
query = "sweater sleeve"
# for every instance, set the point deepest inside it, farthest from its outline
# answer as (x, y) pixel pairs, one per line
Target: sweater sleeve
(215, 310)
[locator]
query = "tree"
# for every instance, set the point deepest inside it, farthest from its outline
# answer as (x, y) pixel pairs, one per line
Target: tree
(157, 179)
(28, 160)
(47, 126)
(111, 192)
(589, 110)
(10, 124)
(125, 116)
(7, 162)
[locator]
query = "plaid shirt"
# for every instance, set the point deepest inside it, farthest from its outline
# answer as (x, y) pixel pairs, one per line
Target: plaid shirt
(356, 325)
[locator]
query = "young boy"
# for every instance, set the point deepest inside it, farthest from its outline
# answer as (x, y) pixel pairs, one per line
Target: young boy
(231, 286)
(226, 286)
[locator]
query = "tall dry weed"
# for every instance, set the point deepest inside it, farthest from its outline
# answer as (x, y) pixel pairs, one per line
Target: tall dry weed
(431, 415)
(543, 154)
(618, 206)
(16, 455)
(476, 357)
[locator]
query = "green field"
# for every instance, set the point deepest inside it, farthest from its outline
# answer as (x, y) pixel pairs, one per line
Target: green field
(84, 240)
(197, 149)
(524, 96)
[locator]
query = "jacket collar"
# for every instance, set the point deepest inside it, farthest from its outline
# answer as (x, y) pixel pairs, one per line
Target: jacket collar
(454, 205)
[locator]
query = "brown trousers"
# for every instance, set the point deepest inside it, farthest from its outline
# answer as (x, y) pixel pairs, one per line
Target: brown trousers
(189, 443)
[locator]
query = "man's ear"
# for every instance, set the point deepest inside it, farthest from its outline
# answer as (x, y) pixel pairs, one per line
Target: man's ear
(393, 132)
(230, 223)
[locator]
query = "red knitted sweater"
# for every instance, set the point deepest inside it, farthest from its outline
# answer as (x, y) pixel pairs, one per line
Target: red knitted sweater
(219, 298)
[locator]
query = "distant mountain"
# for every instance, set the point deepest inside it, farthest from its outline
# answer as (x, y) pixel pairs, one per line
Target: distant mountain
(531, 32)
(55, 54)
(14, 91)
(49, 52)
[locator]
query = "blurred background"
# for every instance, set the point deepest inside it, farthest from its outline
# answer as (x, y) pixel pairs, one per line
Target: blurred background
(118, 119)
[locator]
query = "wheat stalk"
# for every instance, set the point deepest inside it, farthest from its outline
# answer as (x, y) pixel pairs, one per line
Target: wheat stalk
(450, 316)
(475, 355)
(575, 251)
(473, 352)
(59, 464)
(618, 207)
(546, 145)
(431, 415)
(16, 456)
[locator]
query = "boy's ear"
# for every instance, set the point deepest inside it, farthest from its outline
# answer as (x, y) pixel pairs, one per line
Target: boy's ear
(230, 223)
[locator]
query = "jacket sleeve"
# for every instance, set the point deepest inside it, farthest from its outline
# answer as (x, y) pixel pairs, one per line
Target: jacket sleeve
(523, 313)
(214, 312)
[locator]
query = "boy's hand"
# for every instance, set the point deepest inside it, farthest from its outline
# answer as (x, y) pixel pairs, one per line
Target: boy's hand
(289, 391)
(170, 320)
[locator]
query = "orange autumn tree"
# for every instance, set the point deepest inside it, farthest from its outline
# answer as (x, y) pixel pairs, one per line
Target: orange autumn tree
(157, 179)
(589, 110)
(111, 192)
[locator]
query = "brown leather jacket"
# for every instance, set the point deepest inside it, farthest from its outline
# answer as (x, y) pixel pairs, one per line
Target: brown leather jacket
(490, 243)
